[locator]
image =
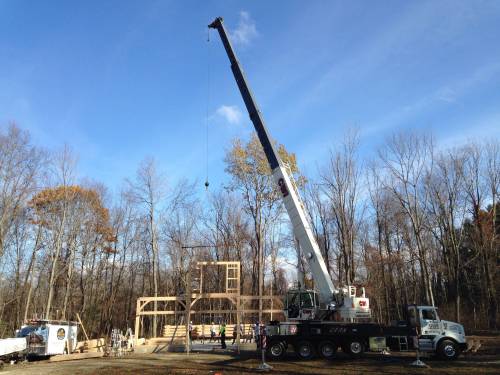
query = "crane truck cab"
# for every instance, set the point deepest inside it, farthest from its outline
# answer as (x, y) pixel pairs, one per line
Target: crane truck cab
(443, 337)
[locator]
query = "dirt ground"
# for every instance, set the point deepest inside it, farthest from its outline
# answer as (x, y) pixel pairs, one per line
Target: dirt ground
(247, 363)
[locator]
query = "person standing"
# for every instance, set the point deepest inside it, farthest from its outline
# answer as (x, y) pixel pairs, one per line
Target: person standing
(212, 332)
(222, 333)
(190, 328)
(256, 334)
(237, 327)
(235, 333)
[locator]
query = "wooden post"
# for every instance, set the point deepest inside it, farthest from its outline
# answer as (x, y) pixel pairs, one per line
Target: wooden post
(227, 275)
(137, 322)
(272, 299)
(238, 307)
(201, 278)
(238, 323)
(188, 308)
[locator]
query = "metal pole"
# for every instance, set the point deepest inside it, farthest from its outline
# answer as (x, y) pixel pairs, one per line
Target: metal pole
(263, 344)
(417, 362)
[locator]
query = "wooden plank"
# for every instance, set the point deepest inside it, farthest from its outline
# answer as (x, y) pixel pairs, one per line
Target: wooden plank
(83, 327)
(255, 298)
(75, 356)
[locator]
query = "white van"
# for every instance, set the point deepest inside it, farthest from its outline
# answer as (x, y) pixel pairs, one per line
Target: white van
(49, 337)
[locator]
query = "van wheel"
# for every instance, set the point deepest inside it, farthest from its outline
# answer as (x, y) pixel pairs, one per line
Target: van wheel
(327, 349)
(448, 350)
(354, 347)
(305, 350)
(276, 350)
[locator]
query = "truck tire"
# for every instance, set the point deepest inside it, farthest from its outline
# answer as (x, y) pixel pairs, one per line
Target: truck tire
(327, 349)
(276, 350)
(448, 350)
(354, 347)
(305, 350)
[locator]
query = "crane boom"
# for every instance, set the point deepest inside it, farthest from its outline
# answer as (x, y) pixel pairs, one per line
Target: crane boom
(301, 228)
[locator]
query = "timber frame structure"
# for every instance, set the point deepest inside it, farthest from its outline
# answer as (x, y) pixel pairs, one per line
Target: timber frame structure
(188, 300)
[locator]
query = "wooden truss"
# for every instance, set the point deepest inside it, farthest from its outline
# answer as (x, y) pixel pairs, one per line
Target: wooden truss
(187, 302)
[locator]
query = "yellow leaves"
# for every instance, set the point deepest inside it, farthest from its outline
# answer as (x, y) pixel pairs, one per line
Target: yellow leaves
(247, 161)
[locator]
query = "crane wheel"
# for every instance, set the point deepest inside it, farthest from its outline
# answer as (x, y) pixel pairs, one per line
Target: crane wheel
(276, 350)
(327, 349)
(305, 350)
(354, 347)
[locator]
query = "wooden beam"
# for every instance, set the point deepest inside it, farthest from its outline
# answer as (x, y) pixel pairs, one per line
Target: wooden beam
(215, 263)
(183, 298)
(255, 298)
(182, 312)
(83, 327)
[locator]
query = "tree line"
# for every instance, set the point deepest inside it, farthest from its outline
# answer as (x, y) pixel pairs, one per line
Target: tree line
(414, 224)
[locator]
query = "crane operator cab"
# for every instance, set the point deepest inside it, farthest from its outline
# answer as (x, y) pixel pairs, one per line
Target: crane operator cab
(301, 304)
(305, 304)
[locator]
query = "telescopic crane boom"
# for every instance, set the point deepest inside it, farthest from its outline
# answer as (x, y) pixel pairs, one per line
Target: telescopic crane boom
(329, 296)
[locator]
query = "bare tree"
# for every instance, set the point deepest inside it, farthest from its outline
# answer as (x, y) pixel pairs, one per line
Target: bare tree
(20, 165)
(341, 181)
(64, 168)
(147, 190)
(407, 159)
(447, 212)
(251, 175)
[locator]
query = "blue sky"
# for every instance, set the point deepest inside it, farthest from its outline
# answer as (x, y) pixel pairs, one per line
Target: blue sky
(122, 80)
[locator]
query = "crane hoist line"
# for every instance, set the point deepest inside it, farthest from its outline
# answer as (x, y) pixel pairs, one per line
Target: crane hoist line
(322, 320)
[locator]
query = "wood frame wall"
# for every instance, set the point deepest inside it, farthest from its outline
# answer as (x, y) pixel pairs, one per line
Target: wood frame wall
(188, 300)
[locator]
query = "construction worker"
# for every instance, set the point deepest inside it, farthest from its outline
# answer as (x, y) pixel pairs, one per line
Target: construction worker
(237, 327)
(190, 327)
(222, 333)
(212, 332)
(256, 334)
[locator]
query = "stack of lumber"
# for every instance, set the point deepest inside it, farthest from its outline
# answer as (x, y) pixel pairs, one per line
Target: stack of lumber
(203, 331)
(172, 331)
(91, 346)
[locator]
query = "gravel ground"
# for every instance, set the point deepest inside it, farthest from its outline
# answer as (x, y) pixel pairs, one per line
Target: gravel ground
(247, 363)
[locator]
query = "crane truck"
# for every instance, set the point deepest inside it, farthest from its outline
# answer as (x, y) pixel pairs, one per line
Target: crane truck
(321, 320)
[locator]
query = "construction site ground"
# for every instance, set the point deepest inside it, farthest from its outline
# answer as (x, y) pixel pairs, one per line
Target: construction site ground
(485, 361)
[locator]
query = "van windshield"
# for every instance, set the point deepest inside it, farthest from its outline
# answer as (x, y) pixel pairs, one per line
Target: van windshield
(25, 331)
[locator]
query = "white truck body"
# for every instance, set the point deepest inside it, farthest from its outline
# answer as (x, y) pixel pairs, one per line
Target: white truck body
(46, 337)
(12, 346)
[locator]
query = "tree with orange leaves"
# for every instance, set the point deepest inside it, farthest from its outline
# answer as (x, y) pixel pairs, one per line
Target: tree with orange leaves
(68, 214)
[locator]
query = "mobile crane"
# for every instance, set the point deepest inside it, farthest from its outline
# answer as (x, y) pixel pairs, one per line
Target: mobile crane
(310, 327)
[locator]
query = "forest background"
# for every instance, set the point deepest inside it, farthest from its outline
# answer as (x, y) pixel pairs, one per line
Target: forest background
(416, 223)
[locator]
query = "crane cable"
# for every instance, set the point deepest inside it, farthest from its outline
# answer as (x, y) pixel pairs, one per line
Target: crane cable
(208, 109)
